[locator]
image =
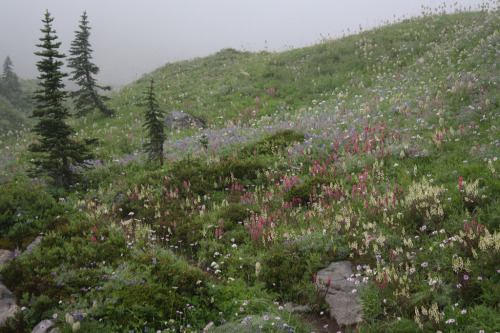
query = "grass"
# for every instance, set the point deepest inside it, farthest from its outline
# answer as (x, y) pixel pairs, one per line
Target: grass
(380, 148)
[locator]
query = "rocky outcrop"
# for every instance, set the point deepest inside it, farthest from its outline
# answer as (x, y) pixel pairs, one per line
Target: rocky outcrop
(342, 293)
(178, 120)
(8, 305)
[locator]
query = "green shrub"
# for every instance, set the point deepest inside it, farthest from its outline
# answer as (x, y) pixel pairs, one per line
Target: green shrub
(305, 190)
(23, 203)
(274, 142)
(233, 214)
(282, 272)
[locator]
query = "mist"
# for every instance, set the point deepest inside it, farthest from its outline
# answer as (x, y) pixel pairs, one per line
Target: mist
(131, 38)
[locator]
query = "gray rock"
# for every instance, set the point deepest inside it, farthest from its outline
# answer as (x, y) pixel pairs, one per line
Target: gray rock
(178, 120)
(45, 326)
(8, 308)
(8, 305)
(5, 255)
(290, 307)
(344, 303)
(34, 243)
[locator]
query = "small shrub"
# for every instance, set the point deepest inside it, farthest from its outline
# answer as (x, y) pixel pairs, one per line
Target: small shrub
(281, 273)
(233, 214)
(275, 142)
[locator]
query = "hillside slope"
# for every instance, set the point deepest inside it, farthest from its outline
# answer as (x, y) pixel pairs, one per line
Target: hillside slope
(379, 148)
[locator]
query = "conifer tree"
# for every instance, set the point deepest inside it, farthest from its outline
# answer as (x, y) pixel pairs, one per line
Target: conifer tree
(87, 97)
(54, 152)
(154, 125)
(11, 87)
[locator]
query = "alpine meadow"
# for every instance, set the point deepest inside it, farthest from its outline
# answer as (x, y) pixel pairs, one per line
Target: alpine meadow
(348, 186)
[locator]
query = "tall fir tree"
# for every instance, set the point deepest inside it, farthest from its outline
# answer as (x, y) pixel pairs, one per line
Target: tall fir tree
(86, 98)
(11, 88)
(54, 152)
(154, 125)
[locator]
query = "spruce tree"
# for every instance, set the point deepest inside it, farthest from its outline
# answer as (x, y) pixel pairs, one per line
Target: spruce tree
(11, 87)
(54, 152)
(87, 97)
(154, 125)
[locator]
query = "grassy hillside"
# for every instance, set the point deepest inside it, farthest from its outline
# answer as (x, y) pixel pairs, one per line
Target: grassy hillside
(380, 148)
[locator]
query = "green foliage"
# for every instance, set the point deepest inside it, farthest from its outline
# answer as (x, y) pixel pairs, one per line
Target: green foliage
(9, 82)
(87, 97)
(154, 125)
(55, 153)
(282, 273)
(273, 143)
(395, 165)
(233, 214)
(25, 209)
(306, 190)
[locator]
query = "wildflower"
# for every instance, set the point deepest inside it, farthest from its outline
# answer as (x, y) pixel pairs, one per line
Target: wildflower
(466, 277)
(450, 321)
(76, 326)
(459, 285)
(480, 278)
(266, 317)
(257, 269)
(424, 264)
(54, 316)
(464, 311)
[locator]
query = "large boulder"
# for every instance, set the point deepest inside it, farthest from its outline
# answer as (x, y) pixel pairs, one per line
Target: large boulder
(178, 120)
(342, 294)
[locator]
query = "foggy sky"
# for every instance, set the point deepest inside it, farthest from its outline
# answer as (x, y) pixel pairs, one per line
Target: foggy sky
(130, 38)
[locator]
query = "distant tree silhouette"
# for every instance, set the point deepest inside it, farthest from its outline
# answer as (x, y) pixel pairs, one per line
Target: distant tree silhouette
(154, 125)
(54, 152)
(87, 97)
(9, 83)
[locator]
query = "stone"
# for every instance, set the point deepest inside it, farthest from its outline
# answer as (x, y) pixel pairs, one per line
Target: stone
(45, 326)
(290, 307)
(8, 308)
(8, 305)
(5, 256)
(178, 120)
(34, 243)
(342, 294)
